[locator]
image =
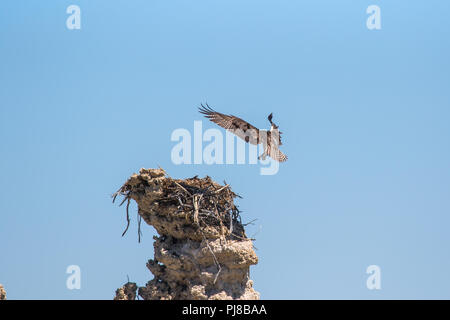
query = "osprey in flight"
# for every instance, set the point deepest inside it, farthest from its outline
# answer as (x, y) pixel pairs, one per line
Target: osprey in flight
(270, 139)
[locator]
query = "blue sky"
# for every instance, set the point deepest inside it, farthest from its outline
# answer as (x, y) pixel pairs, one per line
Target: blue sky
(365, 116)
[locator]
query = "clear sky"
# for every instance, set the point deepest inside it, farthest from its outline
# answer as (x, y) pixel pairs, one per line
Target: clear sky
(365, 116)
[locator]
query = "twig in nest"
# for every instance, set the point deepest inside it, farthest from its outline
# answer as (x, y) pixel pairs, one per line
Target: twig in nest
(225, 186)
(115, 194)
(124, 199)
(179, 200)
(182, 187)
(196, 202)
(231, 222)
(139, 227)
(251, 222)
(128, 214)
(208, 213)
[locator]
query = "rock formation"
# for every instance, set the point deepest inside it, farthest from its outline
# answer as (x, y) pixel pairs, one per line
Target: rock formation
(127, 292)
(202, 251)
(2, 293)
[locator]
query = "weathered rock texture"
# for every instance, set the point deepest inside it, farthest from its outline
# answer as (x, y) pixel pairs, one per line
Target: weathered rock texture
(2, 293)
(202, 251)
(127, 292)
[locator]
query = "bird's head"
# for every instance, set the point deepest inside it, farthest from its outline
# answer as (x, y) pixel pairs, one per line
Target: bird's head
(273, 126)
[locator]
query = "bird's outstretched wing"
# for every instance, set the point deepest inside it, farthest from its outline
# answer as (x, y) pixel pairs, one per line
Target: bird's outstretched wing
(276, 154)
(239, 127)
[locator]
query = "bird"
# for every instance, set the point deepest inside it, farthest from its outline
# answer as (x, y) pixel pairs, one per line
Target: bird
(248, 132)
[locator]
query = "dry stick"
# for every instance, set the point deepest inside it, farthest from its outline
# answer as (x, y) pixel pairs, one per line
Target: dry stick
(139, 227)
(182, 187)
(217, 191)
(196, 201)
(183, 205)
(251, 222)
(115, 194)
(125, 198)
(176, 183)
(208, 213)
(231, 222)
(231, 213)
(128, 215)
(179, 200)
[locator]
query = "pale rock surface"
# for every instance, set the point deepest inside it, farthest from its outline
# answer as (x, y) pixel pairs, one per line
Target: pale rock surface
(202, 251)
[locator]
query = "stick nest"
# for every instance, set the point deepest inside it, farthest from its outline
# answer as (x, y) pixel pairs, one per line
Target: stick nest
(194, 208)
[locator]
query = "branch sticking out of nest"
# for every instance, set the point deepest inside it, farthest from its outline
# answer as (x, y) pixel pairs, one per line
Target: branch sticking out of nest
(127, 199)
(202, 202)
